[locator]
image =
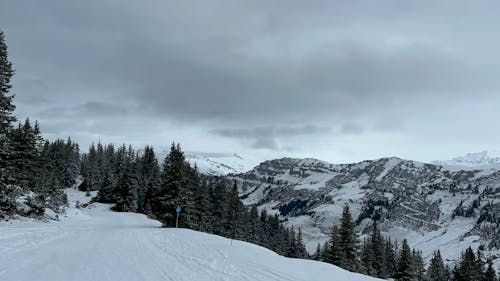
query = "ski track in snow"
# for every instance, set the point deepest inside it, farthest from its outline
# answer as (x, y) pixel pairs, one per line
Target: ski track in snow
(97, 244)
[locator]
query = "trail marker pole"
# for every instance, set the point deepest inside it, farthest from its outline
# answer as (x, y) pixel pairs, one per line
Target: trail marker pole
(177, 210)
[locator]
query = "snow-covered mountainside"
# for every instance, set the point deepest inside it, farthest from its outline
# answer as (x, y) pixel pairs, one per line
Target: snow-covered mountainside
(95, 243)
(477, 159)
(213, 163)
(433, 207)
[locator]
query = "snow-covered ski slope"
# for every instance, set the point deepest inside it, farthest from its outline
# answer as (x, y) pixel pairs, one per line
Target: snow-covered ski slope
(97, 244)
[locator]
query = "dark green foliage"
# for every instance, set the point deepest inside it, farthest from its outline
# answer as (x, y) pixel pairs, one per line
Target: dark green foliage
(173, 182)
(348, 242)
(25, 147)
(126, 195)
(405, 269)
(437, 270)
(490, 274)
(418, 265)
(6, 101)
(331, 250)
(469, 268)
(373, 255)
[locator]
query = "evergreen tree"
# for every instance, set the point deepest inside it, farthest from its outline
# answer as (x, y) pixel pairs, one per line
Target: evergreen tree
(490, 274)
(126, 199)
(24, 154)
(150, 179)
(332, 248)
(467, 269)
(348, 242)
(405, 269)
(317, 253)
(302, 252)
(6, 101)
(107, 192)
(390, 258)
(374, 256)
(173, 180)
(418, 265)
(436, 270)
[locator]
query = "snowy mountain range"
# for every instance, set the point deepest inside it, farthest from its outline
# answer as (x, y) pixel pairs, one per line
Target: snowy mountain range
(94, 243)
(215, 164)
(431, 206)
(476, 159)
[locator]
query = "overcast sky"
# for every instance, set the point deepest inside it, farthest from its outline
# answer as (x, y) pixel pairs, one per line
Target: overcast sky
(340, 81)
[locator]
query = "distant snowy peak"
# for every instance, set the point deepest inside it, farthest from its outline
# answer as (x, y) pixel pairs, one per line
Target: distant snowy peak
(215, 164)
(477, 159)
(219, 163)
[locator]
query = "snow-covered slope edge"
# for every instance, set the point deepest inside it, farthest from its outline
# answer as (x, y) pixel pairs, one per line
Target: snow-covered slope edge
(96, 244)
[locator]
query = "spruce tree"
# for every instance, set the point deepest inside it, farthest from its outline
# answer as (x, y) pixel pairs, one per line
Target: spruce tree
(348, 242)
(332, 248)
(405, 269)
(436, 270)
(173, 180)
(418, 265)
(317, 253)
(467, 269)
(390, 258)
(6, 101)
(8, 192)
(374, 254)
(490, 274)
(107, 192)
(126, 199)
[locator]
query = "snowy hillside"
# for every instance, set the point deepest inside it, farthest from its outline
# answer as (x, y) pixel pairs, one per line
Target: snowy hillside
(213, 163)
(429, 205)
(477, 159)
(96, 244)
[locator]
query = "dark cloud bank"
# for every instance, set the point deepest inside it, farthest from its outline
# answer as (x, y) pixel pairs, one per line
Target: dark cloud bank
(331, 79)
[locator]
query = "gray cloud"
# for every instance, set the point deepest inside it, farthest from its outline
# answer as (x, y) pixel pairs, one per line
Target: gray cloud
(361, 68)
(268, 137)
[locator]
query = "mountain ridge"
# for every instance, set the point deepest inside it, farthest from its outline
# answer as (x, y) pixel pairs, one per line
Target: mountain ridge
(430, 205)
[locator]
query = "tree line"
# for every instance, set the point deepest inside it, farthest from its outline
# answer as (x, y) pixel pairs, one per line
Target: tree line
(135, 182)
(380, 257)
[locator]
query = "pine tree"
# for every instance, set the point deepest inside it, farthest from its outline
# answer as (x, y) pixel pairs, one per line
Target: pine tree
(347, 242)
(107, 192)
(418, 265)
(490, 274)
(6, 101)
(173, 180)
(467, 269)
(390, 258)
(405, 269)
(302, 252)
(332, 249)
(24, 154)
(8, 191)
(126, 199)
(317, 253)
(436, 270)
(150, 179)
(374, 254)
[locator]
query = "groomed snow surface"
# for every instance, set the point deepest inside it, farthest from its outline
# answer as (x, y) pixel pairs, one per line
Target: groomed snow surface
(95, 243)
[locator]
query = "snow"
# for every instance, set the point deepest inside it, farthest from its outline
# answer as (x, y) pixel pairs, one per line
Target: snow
(448, 240)
(476, 159)
(389, 165)
(95, 243)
